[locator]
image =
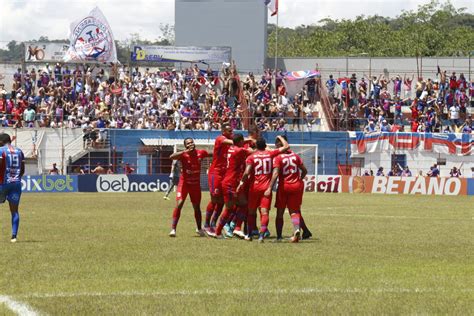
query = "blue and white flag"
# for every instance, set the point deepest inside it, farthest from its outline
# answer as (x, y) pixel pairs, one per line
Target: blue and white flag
(91, 39)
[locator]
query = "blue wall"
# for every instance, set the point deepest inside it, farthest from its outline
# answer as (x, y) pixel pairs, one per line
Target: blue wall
(329, 143)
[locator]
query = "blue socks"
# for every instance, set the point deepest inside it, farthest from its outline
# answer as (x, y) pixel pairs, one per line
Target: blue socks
(15, 223)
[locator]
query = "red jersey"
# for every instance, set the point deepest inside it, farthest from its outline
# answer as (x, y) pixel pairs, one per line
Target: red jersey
(191, 166)
(261, 163)
(219, 159)
(236, 165)
(289, 165)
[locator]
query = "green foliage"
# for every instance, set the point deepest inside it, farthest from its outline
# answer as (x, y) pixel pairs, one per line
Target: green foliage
(434, 29)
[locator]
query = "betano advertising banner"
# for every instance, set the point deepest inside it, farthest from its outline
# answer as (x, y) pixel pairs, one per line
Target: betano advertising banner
(49, 184)
(406, 185)
(211, 55)
(45, 52)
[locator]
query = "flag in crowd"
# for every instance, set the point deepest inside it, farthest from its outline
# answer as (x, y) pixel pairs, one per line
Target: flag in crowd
(91, 39)
(272, 6)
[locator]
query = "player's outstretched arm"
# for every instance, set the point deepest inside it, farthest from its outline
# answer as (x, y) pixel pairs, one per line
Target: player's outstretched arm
(275, 173)
(304, 171)
(229, 142)
(248, 169)
(177, 155)
(285, 146)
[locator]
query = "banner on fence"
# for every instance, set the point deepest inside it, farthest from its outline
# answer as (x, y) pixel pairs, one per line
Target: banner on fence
(122, 183)
(405, 185)
(49, 184)
(208, 55)
(451, 144)
(45, 52)
(119, 183)
(326, 184)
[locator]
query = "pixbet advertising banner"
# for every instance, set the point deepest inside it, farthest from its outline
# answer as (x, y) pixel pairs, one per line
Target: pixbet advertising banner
(211, 55)
(405, 185)
(49, 184)
(45, 52)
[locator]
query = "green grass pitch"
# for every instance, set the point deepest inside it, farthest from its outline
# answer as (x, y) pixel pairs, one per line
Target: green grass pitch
(109, 254)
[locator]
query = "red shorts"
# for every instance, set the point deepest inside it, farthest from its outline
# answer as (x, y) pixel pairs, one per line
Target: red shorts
(184, 189)
(231, 195)
(215, 184)
(229, 192)
(289, 199)
(258, 199)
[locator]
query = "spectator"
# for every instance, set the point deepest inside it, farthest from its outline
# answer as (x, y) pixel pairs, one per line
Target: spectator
(128, 169)
(406, 172)
(434, 171)
(54, 171)
(380, 172)
(455, 172)
(99, 169)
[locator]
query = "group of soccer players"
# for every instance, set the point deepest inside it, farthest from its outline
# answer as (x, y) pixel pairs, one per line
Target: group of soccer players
(12, 168)
(241, 177)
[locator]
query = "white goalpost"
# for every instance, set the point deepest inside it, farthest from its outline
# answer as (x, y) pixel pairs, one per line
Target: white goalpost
(307, 152)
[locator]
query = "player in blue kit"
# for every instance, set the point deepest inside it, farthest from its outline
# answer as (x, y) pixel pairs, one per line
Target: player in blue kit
(12, 168)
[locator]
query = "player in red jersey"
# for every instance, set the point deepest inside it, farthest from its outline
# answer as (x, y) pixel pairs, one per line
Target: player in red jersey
(235, 202)
(189, 183)
(254, 134)
(215, 177)
(259, 165)
(290, 171)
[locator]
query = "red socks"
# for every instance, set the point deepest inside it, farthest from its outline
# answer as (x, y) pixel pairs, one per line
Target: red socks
(264, 219)
(209, 211)
(176, 215)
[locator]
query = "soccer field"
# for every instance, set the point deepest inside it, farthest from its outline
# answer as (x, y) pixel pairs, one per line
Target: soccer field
(110, 254)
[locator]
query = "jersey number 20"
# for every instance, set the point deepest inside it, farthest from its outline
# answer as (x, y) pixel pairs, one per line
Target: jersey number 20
(264, 166)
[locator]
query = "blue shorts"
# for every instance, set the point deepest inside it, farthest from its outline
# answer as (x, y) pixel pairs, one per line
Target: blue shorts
(10, 192)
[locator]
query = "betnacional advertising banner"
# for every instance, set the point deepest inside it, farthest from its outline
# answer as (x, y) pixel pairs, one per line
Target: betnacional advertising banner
(45, 52)
(121, 183)
(165, 54)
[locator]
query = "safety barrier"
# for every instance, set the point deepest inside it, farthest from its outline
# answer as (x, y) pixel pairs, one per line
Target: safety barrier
(120, 183)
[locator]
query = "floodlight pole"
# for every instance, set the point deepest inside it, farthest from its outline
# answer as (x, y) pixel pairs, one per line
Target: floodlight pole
(276, 48)
(470, 54)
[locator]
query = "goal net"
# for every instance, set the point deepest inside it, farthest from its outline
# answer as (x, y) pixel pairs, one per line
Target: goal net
(308, 153)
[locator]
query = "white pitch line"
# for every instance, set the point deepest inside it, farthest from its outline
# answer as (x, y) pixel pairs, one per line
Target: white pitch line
(17, 307)
(384, 216)
(243, 291)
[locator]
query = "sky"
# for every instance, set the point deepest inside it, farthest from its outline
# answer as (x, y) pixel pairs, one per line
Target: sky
(23, 20)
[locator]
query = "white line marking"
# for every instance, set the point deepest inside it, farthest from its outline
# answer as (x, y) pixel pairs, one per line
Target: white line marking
(384, 216)
(244, 291)
(19, 308)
